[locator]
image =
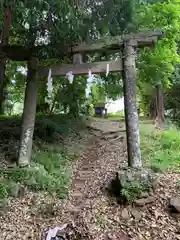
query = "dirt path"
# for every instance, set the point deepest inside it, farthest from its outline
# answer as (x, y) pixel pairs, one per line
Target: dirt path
(88, 206)
(95, 165)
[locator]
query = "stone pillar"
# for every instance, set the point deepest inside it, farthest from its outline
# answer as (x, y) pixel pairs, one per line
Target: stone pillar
(131, 114)
(29, 114)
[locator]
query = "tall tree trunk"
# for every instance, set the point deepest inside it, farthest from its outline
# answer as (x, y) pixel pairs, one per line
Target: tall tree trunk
(160, 105)
(29, 114)
(131, 114)
(152, 107)
(4, 42)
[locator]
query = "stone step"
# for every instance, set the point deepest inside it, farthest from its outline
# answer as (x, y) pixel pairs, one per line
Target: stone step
(87, 167)
(82, 204)
(73, 209)
(77, 194)
(85, 175)
(78, 184)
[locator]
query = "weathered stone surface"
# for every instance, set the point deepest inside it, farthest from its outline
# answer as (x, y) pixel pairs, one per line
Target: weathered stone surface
(73, 209)
(175, 202)
(144, 201)
(125, 214)
(131, 175)
(144, 195)
(4, 204)
(136, 214)
(17, 190)
(31, 181)
(22, 191)
(131, 114)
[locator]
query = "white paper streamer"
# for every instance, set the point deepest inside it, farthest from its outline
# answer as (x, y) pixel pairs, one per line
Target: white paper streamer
(49, 74)
(70, 77)
(49, 83)
(90, 76)
(88, 90)
(53, 231)
(107, 69)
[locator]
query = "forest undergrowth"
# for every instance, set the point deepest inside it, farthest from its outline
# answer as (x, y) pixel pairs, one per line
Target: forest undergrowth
(58, 142)
(160, 148)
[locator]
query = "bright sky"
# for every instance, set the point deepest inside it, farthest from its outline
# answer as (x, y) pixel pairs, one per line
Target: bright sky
(115, 106)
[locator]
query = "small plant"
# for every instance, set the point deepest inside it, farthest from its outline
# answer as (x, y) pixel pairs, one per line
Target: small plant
(91, 110)
(3, 191)
(128, 192)
(36, 178)
(132, 191)
(156, 167)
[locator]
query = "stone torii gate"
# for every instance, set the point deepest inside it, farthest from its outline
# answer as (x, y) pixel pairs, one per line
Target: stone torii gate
(125, 45)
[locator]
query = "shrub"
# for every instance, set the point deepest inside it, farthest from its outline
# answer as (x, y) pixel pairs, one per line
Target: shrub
(49, 170)
(36, 178)
(91, 110)
(161, 150)
(3, 191)
(133, 191)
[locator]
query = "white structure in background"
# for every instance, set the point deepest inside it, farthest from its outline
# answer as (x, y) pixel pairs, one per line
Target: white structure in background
(115, 106)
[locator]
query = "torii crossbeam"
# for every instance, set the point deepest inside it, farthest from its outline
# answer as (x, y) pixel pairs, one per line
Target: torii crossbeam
(114, 44)
(126, 45)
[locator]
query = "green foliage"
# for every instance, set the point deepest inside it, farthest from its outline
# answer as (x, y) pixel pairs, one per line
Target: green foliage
(48, 174)
(119, 115)
(113, 85)
(8, 188)
(160, 150)
(172, 99)
(158, 66)
(3, 191)
(59, 23)
(50, 167)
(91, 110)
(104, 88)
(47, 127)
(97, 93)
(15, 86)
(133, 191)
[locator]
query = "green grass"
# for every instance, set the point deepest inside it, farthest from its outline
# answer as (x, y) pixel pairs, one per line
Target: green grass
(160, 149)
(116, 116)
(50, 166)
(48, 172)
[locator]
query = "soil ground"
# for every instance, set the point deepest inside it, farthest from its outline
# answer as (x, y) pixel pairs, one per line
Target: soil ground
(88, 206)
